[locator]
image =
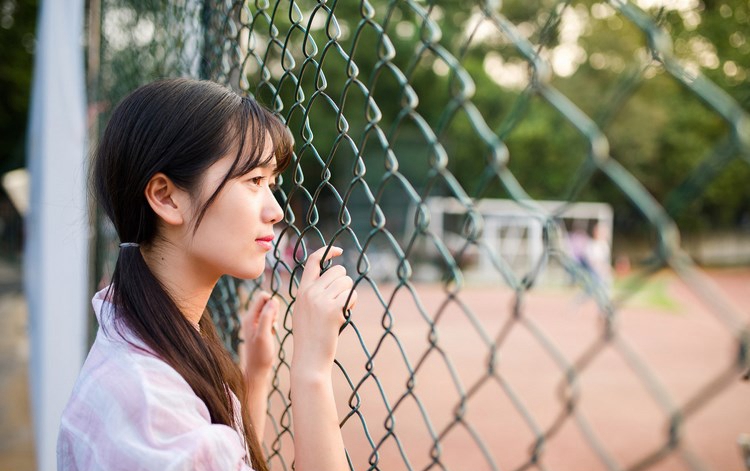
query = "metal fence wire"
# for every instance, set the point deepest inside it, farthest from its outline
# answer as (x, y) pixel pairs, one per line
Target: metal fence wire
(405, 114)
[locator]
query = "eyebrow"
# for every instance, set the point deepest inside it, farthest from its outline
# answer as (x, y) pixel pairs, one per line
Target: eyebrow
(267, 164)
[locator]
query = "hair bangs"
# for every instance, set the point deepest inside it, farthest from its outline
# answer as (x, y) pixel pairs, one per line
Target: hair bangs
(283, 142)
(260, 125)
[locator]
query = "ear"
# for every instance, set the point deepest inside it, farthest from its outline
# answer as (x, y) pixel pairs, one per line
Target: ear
(167, 201)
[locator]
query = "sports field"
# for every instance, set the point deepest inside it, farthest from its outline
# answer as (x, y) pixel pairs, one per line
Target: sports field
(668, 329)
(677, 336)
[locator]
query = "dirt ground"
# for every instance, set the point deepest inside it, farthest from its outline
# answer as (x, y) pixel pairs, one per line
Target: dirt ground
(16, 434)
(557, 374)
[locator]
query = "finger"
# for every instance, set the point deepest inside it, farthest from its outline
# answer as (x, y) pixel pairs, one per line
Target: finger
(346, 300)
(332, 274)
(342, 298)
(267, 315)
(243, 295)
(256, 305)
(352, 300)
(339, 286)
(312, 266)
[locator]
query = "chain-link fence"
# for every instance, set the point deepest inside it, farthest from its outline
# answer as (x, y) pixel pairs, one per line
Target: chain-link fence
(449, 148)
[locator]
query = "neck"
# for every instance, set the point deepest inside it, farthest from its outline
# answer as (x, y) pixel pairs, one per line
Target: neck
(187, 284)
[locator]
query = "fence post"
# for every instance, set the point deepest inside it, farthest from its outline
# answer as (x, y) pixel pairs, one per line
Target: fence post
(56, 248)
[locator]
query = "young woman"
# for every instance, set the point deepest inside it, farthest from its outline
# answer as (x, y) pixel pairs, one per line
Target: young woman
(185, 170)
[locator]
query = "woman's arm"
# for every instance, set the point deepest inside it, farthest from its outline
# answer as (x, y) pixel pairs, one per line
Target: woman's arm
(318, 315)
(257, 352)
(317, 436)
(258, 387)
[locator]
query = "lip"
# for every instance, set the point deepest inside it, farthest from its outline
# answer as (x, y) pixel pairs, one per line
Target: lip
(265, 242)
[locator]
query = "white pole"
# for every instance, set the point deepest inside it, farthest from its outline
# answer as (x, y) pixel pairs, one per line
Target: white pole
(57, 224)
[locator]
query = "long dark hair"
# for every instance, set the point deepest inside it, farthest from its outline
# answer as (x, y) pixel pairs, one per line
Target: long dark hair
(179, 127)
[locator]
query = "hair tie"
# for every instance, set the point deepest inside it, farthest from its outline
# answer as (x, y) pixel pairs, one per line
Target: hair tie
(129, 244)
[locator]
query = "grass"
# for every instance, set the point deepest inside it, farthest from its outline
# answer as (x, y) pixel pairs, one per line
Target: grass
(652, 292)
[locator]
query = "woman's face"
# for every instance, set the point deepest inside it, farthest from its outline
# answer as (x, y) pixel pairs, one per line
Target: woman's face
(236, 231)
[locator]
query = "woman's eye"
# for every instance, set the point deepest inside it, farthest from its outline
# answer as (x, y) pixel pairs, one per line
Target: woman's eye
(261, 180)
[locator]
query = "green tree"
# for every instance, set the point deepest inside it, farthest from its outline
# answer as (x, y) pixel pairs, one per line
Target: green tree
(17, 24)
(319, 64)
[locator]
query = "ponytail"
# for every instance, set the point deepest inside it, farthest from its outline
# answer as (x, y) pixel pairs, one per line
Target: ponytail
(199, 357)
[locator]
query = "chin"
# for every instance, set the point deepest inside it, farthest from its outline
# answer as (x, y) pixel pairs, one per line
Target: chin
(249, 272)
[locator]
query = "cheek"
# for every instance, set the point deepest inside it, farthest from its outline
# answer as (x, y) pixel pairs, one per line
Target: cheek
(214, 230)
(237, 219)
(233, 219)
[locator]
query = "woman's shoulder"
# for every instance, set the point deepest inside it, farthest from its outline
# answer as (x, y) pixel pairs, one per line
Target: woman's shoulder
(120, 365)
(118, 376)
(131, 410)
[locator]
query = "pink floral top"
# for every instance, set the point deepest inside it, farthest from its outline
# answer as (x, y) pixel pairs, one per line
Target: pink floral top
(130, 410)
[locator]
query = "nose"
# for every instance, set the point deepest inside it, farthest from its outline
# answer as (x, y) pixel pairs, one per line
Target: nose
(272, 212)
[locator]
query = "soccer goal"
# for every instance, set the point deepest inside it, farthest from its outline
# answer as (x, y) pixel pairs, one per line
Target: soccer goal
(512, 235)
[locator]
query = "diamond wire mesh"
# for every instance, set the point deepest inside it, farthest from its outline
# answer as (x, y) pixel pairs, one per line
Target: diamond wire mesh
(347, 79)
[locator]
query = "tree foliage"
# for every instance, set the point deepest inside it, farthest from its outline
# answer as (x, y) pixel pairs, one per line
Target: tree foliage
(326, 64)
(17, 22)
(658, 130)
